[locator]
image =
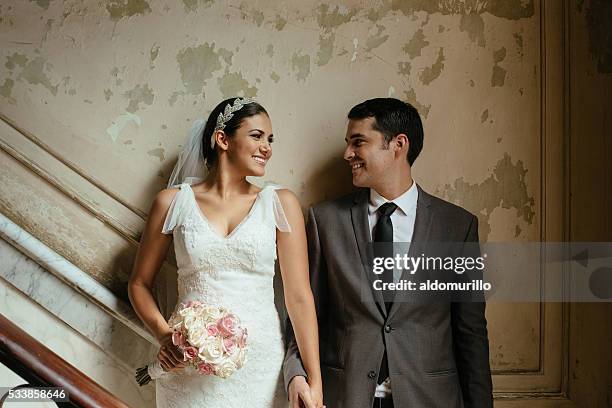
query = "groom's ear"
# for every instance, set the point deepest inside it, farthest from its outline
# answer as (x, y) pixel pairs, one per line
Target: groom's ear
(402, 144)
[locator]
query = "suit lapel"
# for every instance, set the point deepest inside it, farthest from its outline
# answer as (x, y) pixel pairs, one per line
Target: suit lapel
(420, 236)
(361, 228)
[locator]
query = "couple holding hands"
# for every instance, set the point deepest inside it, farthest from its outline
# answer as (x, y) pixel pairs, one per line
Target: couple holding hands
(343, 347)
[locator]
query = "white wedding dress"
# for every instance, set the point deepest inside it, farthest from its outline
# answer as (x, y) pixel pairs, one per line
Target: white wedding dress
(235, 272)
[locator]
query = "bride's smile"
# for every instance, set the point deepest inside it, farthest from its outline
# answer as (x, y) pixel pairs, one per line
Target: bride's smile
(250, 148)
(228, 235)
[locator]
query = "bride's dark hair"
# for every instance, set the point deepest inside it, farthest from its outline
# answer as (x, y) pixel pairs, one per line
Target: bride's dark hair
(250, 109)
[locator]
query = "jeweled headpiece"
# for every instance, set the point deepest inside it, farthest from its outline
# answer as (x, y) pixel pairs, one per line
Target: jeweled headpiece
(227, 114)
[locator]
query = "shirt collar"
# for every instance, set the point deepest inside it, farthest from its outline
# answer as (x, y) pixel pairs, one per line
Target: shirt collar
(405, 202)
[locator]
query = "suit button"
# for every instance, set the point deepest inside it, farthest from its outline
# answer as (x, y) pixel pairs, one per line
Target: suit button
(371, 375)
(388, 328)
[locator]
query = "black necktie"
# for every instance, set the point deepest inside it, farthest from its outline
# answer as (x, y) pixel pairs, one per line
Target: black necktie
(383, 232)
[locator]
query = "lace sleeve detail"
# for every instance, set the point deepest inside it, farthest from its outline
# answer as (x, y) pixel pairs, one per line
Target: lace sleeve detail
(174, 211)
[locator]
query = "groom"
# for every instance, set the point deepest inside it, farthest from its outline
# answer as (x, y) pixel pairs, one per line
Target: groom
(376, 352)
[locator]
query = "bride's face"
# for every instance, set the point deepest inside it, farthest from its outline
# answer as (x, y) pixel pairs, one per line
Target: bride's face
(251, 147)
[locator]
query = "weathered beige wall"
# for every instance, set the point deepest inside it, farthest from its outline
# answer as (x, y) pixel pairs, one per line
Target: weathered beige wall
(112, 90)
(590, 124)
(97, 98)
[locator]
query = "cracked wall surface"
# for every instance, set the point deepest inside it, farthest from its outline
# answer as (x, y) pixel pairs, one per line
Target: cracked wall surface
(113, 86)
(129, 91)
(114, 91)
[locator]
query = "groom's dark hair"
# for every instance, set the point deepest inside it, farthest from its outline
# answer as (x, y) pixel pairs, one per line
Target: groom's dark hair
(392, 117)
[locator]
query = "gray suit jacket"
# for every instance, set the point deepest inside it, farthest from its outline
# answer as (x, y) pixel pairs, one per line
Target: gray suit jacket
(438, 352)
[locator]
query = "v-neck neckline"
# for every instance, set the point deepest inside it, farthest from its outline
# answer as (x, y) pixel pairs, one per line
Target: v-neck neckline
(212, 227)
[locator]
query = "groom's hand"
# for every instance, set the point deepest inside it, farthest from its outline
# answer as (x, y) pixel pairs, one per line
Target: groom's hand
(299, 393)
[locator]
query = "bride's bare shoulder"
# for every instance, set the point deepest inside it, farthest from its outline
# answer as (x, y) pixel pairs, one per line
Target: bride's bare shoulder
(288, 198)
(163, 200)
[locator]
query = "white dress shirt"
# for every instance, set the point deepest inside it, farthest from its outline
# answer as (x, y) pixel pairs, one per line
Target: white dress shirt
(403, 226)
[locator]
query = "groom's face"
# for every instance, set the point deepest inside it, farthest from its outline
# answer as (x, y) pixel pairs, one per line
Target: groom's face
(367, 153)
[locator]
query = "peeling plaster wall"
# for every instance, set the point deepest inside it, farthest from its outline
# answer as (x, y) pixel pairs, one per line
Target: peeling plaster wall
(116, 97)
(114, 90)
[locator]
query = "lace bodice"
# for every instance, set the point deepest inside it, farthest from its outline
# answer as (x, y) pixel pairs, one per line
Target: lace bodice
(235, 272)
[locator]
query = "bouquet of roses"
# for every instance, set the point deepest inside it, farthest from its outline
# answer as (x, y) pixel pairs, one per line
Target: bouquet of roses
(211, 339)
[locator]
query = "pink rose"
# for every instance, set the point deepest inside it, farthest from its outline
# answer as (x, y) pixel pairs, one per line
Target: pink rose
(213, 330)
(206, 368)
(189, 304)
(227, 325)
(190, 353)
(178, 339)
(242, 338)
(229, 345)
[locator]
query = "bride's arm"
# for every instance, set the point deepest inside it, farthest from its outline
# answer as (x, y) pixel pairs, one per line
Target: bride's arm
(293, 258)
(149, 258)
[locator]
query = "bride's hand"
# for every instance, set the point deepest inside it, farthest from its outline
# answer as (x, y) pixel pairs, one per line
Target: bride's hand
(169, 356)
(316, 394)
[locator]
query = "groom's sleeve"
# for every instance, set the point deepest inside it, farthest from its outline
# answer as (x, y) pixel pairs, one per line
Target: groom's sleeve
(292, 367)
(470, 341)
(293, 363)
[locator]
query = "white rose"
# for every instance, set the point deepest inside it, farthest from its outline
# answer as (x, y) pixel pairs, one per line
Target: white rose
(225, 368)
(190, 321)
(211, 351)
(194, 322)
(198, 336)
(185, 311)
(200, 323)
(238, 357)
(213, 313)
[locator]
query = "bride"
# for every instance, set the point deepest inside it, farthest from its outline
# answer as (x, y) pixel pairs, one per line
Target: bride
(227, 234)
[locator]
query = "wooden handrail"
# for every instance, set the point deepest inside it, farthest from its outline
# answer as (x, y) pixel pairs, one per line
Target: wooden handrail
(41, 367)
